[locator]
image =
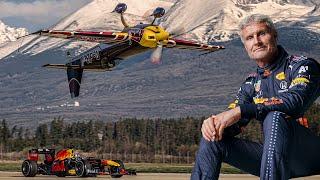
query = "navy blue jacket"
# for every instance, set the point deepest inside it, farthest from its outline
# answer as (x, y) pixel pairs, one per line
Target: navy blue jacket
(289, 85)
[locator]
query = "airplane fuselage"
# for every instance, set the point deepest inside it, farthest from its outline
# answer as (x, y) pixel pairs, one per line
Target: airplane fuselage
(139, 39)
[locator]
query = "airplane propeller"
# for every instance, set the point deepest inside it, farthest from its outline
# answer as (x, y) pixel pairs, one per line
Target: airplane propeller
(157, 13)
(157, 54)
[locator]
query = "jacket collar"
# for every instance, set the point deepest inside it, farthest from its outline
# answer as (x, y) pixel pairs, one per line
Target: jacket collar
(266, 71)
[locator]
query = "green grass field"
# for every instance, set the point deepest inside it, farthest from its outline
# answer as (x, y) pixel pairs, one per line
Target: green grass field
(10, 166)
(174, 168)
(139, 167)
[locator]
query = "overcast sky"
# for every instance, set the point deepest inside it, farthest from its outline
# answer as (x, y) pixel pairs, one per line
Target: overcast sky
(37, 14)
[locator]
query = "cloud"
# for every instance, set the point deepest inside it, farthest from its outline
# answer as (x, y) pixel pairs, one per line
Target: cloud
(39, 11)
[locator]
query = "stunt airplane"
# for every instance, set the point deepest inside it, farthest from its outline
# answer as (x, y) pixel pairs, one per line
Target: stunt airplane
(116, 46)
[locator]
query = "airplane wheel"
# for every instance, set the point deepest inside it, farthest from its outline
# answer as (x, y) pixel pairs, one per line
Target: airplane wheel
(29, 168)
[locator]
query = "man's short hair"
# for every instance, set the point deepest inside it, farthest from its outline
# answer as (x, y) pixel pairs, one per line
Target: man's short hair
(256, 18)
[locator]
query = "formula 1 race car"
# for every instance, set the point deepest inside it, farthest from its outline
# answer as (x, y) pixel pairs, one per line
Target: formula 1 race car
(67, 163)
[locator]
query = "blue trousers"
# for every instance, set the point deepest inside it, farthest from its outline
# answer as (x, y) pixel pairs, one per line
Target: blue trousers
(289, 150)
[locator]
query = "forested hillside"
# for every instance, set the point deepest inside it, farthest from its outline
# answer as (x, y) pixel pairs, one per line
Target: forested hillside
(147, 138)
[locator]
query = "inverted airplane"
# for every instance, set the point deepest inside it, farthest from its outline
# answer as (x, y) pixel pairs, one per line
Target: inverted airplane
(117, 46)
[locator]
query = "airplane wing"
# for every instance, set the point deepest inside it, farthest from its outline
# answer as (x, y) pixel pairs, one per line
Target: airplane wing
(63, 66)
(57, 66)
(92, 36)
(185, 44)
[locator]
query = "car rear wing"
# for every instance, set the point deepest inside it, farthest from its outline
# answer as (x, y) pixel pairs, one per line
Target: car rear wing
(33, 154)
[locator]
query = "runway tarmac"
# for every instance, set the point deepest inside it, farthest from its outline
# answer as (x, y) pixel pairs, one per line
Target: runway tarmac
(140, 176)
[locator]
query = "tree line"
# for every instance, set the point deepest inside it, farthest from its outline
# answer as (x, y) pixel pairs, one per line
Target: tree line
(125, 135)
(131, 135)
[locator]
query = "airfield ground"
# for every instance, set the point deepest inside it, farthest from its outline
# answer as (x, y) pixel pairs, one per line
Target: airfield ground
(141, 176)
(10, 170)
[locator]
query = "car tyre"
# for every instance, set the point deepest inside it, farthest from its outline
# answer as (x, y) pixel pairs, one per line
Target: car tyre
(82, 167)
(29, 168)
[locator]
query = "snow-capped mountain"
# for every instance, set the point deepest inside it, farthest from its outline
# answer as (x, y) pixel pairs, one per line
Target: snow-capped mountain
(10, 34)
(205, 20)
(185, 84)
(218, 20)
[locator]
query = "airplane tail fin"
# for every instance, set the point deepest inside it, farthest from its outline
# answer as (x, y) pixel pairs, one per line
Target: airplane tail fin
(74, 79)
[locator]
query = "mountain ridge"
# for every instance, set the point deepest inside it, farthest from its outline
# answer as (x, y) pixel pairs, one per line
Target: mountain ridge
(185, 84)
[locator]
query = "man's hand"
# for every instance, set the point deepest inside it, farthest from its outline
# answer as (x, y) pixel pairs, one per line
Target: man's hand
(208, 130)
(225, 119)
(213, 127)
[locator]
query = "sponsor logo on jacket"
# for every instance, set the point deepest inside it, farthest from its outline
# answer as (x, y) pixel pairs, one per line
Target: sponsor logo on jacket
(268, 101)
(281, 76)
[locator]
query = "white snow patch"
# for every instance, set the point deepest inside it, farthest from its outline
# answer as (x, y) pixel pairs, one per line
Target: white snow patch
(9, 33)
